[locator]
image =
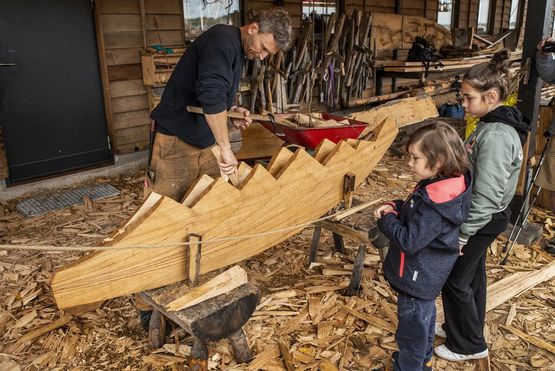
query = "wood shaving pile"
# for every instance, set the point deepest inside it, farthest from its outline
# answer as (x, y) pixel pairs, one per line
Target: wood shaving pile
(301, 308)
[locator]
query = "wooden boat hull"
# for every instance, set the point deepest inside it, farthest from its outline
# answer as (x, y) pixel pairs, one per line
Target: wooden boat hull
(293, 190)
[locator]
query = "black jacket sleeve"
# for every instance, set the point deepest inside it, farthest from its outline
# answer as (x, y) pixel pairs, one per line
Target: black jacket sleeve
(215, 79)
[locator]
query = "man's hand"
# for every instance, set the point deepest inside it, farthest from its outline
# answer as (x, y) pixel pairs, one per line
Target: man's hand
(460, 249)
(244, 123)
(382, 209)
(228, 163)
(542, 43)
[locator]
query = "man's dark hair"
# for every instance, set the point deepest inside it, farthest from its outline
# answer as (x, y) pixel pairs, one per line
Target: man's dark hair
(275, 21)
(440, 142)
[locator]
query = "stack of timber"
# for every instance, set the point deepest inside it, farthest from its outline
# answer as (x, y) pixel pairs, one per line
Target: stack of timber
(311, 65)
(300, 308)
(296, 188)
(336, 64)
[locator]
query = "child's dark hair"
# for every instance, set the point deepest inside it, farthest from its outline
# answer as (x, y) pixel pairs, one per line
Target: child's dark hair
(439, 142)
(491, 75)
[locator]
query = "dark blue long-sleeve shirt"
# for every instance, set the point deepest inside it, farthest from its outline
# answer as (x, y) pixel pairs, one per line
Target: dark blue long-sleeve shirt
(207, 75)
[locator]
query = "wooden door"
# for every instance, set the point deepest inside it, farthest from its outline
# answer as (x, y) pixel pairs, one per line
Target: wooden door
(51, 107)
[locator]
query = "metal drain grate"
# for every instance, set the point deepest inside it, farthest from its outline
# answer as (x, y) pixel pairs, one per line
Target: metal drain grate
(40, 205)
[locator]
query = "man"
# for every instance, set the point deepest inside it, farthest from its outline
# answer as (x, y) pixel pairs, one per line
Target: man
(545, 64)
(208, 75)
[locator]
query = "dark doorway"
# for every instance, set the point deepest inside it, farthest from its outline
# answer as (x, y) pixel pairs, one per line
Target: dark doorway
(51, 106)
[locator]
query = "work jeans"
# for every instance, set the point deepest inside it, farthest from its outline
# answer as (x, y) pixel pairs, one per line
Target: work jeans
(176, 165)
(415, 332)
(464, 293)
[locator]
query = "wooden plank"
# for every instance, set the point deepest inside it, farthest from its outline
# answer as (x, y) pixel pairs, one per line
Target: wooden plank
(137, 146)
(280, 159)
(131, 103)
(127, 88)
(123, 56)
(131, 119)
(132, 135)
(258, 142)
(404, 111)
(197, 190)
(101, 50)
(166, 38)
(511, 286)
(119, 6)
(164, 22)
(323, 150)
(264, 203)
(121, 22)
(163, 7)
(222, 283)
(118, 40)
(125, 72)
(542, 344)
(243, 173)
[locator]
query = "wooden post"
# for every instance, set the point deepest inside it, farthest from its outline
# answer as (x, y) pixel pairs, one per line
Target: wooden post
(315, 244)
(193, 253)
(356, 276)
(338, 243)
(348, 189)
(538, 19)
(156, 330)
(240, 347)
(198, 360)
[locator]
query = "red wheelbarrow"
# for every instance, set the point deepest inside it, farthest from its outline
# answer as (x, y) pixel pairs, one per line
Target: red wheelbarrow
(311, 137)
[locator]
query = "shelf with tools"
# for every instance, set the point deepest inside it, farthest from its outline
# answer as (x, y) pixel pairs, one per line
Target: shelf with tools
(157, 69)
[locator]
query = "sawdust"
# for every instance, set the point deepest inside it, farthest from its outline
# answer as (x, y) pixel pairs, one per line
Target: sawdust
(302, 307)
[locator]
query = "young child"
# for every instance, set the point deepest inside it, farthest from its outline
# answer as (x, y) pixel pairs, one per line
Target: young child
(423, 232)
(495, 154)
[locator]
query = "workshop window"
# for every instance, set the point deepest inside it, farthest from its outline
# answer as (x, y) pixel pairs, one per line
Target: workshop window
(513, 19)
(445, 13)
(483, 16)
(323, 7)
(200, 15)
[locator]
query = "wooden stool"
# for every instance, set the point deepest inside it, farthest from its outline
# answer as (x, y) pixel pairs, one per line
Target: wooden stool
(214, 319)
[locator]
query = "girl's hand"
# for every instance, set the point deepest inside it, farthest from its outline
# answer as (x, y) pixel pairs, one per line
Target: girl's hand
(460, 249)
(382, 209)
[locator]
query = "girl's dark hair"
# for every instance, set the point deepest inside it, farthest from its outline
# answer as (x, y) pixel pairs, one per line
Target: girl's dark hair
(440, 142)
(491, 75)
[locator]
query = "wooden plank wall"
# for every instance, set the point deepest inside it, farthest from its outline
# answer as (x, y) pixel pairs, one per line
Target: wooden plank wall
(120, 31)
(467, 11)
(500, 11)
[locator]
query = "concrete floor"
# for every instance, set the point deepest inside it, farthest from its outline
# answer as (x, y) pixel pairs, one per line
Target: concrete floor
(123, 164)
